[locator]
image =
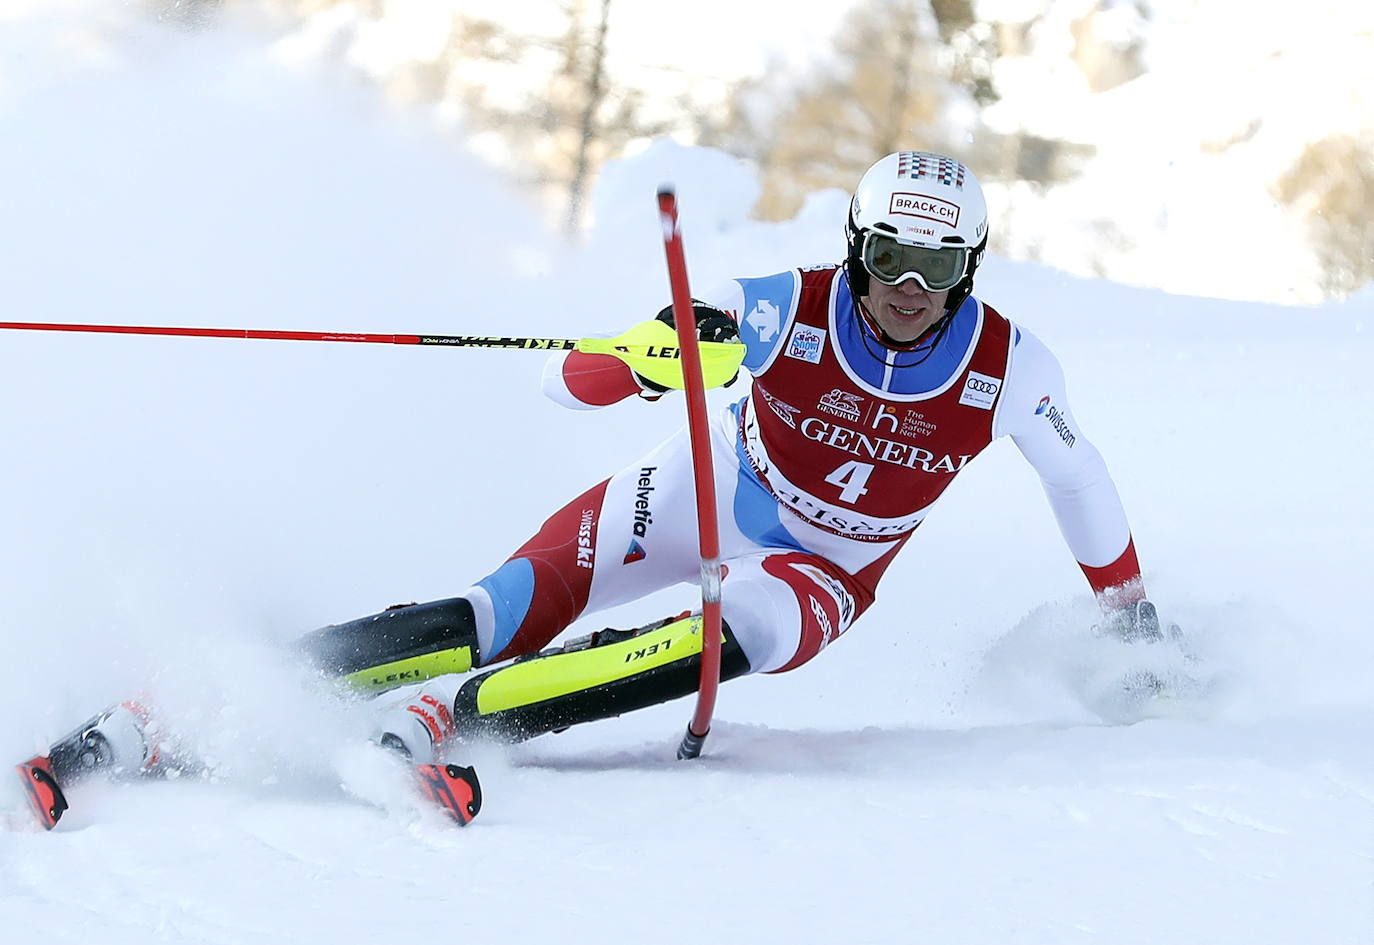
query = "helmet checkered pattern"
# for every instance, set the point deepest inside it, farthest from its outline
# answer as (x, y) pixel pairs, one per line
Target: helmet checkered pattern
(918, 165)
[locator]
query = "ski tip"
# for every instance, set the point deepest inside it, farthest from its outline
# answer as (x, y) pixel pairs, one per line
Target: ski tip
(454, 788)
(46, 799)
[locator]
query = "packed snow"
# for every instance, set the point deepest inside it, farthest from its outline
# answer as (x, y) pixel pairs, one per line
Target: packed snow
(958, 769)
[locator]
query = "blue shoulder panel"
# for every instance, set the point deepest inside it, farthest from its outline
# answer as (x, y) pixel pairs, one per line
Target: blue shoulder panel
(767, 300)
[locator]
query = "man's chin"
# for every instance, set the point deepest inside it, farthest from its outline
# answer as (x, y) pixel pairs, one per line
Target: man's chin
(908, 329)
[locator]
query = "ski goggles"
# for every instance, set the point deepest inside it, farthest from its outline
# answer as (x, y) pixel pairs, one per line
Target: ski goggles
(892, 262)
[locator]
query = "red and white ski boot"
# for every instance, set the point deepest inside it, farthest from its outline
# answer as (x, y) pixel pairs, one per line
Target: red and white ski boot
(418, 728)
(122, 741)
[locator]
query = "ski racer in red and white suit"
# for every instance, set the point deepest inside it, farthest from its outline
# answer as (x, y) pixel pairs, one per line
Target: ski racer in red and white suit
(874, 384)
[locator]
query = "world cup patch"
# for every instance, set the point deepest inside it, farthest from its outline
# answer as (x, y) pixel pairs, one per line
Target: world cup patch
(806, 344)
(980, 390)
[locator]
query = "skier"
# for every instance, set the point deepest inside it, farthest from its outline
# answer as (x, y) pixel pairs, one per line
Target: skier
(875, 382)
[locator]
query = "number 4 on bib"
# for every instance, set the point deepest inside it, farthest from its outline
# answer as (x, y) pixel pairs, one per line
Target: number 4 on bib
(850, 477)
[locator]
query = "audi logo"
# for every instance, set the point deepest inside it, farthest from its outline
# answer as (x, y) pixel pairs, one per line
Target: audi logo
(982, 387)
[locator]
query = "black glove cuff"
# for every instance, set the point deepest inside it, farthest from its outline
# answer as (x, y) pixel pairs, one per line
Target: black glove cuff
(712, 323)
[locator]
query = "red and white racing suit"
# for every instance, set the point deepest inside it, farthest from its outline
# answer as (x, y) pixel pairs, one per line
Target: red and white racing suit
(823, 472)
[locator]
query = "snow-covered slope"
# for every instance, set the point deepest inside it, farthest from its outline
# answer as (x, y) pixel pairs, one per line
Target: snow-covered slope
(175, 510)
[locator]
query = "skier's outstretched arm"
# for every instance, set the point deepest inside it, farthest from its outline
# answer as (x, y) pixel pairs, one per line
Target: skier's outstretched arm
(1035, 413)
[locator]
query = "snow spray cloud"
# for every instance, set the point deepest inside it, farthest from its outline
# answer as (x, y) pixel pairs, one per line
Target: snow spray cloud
(171, 505)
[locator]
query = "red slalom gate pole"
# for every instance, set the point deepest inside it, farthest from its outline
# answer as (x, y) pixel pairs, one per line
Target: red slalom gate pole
(703, 475)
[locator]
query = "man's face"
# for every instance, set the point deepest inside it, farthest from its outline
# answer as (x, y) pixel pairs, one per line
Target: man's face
(904, 310)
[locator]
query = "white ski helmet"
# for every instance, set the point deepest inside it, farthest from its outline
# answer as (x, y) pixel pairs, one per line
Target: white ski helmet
(917, 215)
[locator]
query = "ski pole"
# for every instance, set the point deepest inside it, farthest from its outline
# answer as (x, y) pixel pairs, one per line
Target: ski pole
(454, 341)
(650, 348)
(703, 475)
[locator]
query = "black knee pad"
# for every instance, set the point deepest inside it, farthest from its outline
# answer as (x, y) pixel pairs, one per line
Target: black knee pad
(399, 646)
(563, 688)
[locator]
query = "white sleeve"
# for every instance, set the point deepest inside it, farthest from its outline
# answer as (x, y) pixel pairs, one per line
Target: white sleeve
(1035, 413)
